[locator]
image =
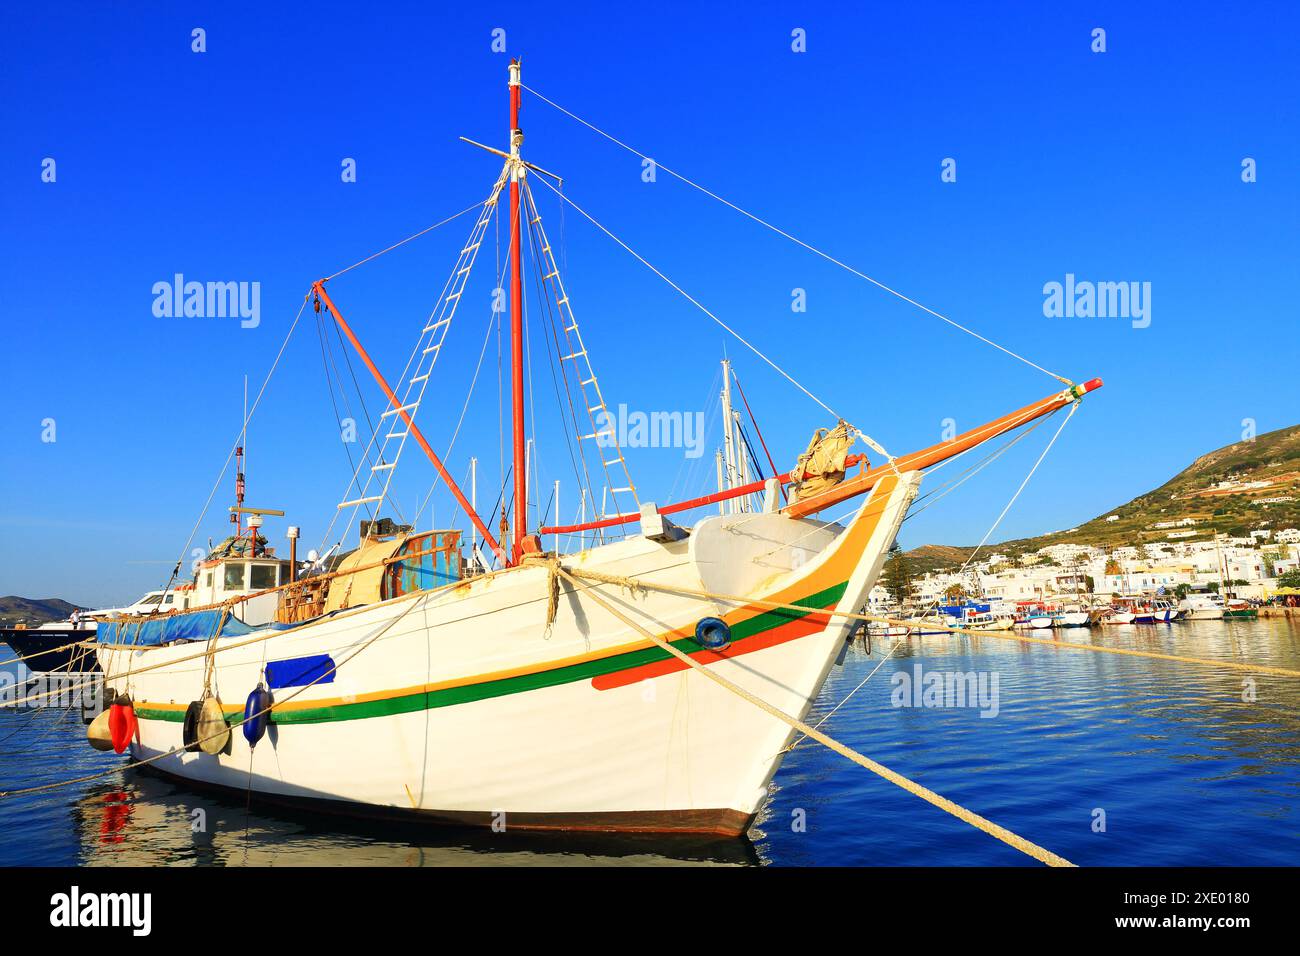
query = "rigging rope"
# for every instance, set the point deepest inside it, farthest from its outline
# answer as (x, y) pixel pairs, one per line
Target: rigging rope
(501, 267)
(328, 672)
(1011, 839)
(327, 361)
(403, 242)
(643, 584)
(696, 302)
(781, 232)
(238, 439)
(935, 603)
(491, 200)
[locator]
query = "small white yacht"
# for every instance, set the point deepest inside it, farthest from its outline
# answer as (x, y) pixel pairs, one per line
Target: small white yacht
(1202, 607)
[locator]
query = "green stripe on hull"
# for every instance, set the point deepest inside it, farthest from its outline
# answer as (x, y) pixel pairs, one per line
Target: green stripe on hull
(450, 696)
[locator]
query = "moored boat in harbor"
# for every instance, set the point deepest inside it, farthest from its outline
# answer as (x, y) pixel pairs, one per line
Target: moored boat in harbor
(1240, 610)
(555, 690)
(1202, 607)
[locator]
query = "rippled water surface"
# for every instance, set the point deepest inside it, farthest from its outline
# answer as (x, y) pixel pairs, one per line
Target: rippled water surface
(1183, 769)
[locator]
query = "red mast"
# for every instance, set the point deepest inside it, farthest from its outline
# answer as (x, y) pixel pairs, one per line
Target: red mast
(517, 324)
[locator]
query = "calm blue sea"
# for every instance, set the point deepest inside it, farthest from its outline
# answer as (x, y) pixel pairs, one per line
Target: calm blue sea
(1169, 756)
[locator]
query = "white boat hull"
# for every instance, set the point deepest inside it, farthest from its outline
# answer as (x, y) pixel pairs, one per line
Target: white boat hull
(461, 706)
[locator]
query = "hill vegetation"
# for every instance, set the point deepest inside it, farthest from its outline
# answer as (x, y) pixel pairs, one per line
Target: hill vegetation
(1233, 490)
(31, 611)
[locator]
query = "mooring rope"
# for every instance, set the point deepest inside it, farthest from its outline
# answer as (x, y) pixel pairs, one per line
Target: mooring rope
(1011, 839)
(48, 650)
(641, 584)
(227, 729)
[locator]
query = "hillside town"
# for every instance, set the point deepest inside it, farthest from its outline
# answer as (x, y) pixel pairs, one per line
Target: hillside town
(1249, 566)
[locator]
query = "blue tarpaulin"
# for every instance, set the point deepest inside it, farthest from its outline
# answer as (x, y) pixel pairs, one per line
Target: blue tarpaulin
(148, 631)
(301, 671)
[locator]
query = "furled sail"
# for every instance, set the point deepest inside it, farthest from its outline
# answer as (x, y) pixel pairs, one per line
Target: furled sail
(822, 465)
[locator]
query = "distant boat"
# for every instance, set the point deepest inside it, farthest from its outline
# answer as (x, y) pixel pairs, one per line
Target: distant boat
(1238, 609)
(1164, 613)
(1202, 607)
(45, 648)
(1073, 616)
(52, 647)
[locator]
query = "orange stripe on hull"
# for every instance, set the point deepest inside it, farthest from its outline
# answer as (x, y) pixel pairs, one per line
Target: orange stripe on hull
(811, 624)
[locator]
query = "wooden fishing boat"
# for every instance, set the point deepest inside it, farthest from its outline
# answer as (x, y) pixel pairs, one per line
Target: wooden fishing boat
(1237, 609)
(536, 695)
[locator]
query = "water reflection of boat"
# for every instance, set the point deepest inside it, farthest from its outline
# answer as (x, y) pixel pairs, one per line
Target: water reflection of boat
(146, 819)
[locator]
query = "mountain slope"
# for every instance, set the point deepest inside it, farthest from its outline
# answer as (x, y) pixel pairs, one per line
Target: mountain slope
(15, 609)
(1233, 490)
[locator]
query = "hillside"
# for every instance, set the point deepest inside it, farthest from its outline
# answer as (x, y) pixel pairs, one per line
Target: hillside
(936, 557)
(14, 610)
(1232, 490)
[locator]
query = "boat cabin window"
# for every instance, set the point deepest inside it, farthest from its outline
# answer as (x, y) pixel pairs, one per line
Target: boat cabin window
(263, 576)
(207, 580)
(150, 599)
(234, 577)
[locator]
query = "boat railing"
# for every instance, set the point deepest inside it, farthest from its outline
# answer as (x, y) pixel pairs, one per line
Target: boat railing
(300, 582)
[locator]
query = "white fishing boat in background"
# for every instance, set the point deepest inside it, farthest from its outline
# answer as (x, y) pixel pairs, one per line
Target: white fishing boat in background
(1073, 616)
(1163, 612)
(1202, 607)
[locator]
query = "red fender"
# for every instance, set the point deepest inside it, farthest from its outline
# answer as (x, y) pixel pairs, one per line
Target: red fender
(121, 723)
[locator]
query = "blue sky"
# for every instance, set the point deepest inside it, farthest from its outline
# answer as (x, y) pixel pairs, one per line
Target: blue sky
(225, 166)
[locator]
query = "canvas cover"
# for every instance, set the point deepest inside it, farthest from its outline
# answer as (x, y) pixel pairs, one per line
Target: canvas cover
(364, 587)
(822, 465)
(151, 630)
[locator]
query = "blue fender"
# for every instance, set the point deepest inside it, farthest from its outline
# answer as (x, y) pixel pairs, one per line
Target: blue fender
(256, 715)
